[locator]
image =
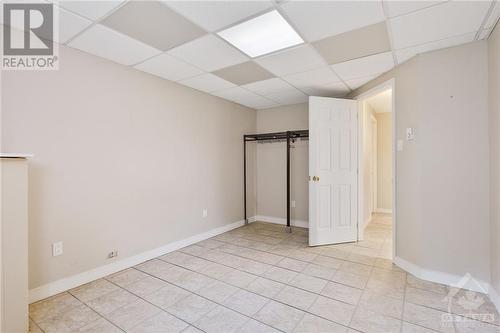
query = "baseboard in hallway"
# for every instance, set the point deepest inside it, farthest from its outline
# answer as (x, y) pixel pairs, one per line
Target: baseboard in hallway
(383, 210)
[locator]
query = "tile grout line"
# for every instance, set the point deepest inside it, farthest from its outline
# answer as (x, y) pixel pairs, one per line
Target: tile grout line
(250, 291)
(372, 269)
(102, 317)
(271, 299)
(191, 292)
(259, 276)
(147, 301)
(308, 262)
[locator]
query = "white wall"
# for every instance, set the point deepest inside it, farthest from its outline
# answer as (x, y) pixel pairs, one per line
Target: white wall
(384, 160)
(494, 106)
(442, 177)
(366, 156)
(123, 161)
(271, 164)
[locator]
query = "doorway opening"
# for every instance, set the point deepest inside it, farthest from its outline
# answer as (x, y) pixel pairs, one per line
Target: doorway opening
(377, 186)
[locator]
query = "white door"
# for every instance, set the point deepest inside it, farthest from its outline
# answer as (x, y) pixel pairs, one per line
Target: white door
(333, 165)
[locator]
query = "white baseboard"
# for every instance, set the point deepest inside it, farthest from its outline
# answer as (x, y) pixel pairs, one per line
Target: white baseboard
(279, 220)
(251, 219)
(439, 277)
(70, 282)
(383, 210)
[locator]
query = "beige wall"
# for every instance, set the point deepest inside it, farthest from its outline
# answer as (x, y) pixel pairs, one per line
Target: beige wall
(384, 160)
(442, 177)
(271, 164)
(123, 161)
(366, 129)
(494, 103)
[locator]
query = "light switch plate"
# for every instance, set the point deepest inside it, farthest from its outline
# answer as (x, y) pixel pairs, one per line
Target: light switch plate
(204, 213)
(57, 249)
(292, 204)
(410, 134)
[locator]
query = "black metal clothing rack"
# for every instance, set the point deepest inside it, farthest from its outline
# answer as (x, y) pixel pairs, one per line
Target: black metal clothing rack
(290, 137)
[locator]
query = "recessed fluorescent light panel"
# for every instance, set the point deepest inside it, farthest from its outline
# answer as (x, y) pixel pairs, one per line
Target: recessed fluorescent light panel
(262, 35)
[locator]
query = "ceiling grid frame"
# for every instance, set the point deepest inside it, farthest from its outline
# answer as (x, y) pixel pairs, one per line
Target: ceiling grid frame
(277, 5)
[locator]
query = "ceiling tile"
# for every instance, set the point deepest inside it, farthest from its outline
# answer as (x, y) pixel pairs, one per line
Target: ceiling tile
(347, 46)
(277, 90)
(244, 73)
(214, 15)
(69, 26)
(297, 59)
(245, 97)
(405, 54)
(493, 18)
(92, 10)
(356, 83)
(363, 67)
(310, 79)
(320, 19)
(287, 97)
(207, 82)
(269, 86)
(154, 24)
(104, 42)
(209, 53)
(438, 22)
(397, 8)
(169, 68)
(335, 89)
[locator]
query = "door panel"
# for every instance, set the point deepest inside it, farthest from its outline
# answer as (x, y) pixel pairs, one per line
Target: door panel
(332, 158)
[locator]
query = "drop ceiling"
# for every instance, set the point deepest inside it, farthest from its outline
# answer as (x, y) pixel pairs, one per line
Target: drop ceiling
(346, 43)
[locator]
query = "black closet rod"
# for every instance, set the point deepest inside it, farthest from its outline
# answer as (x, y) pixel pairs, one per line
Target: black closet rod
(277, 135)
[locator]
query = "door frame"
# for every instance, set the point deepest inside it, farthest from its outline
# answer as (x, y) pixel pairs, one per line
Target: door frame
(389, 84)
(374, 162)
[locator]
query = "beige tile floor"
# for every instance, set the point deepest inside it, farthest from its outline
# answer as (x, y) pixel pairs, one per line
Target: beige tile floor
(258, 278)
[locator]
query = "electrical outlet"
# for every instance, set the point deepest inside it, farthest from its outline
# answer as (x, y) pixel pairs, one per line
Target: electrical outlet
(113, 254)
(57, 249)
(204, 213)
(292, 204)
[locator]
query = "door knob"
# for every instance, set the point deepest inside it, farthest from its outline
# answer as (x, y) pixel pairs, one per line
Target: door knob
(315, 178)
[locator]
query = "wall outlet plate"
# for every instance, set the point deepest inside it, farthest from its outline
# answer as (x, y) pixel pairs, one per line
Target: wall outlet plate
(113, 254)
(57, 249)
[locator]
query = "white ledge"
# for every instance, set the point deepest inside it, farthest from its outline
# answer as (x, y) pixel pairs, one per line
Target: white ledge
(15, 155)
